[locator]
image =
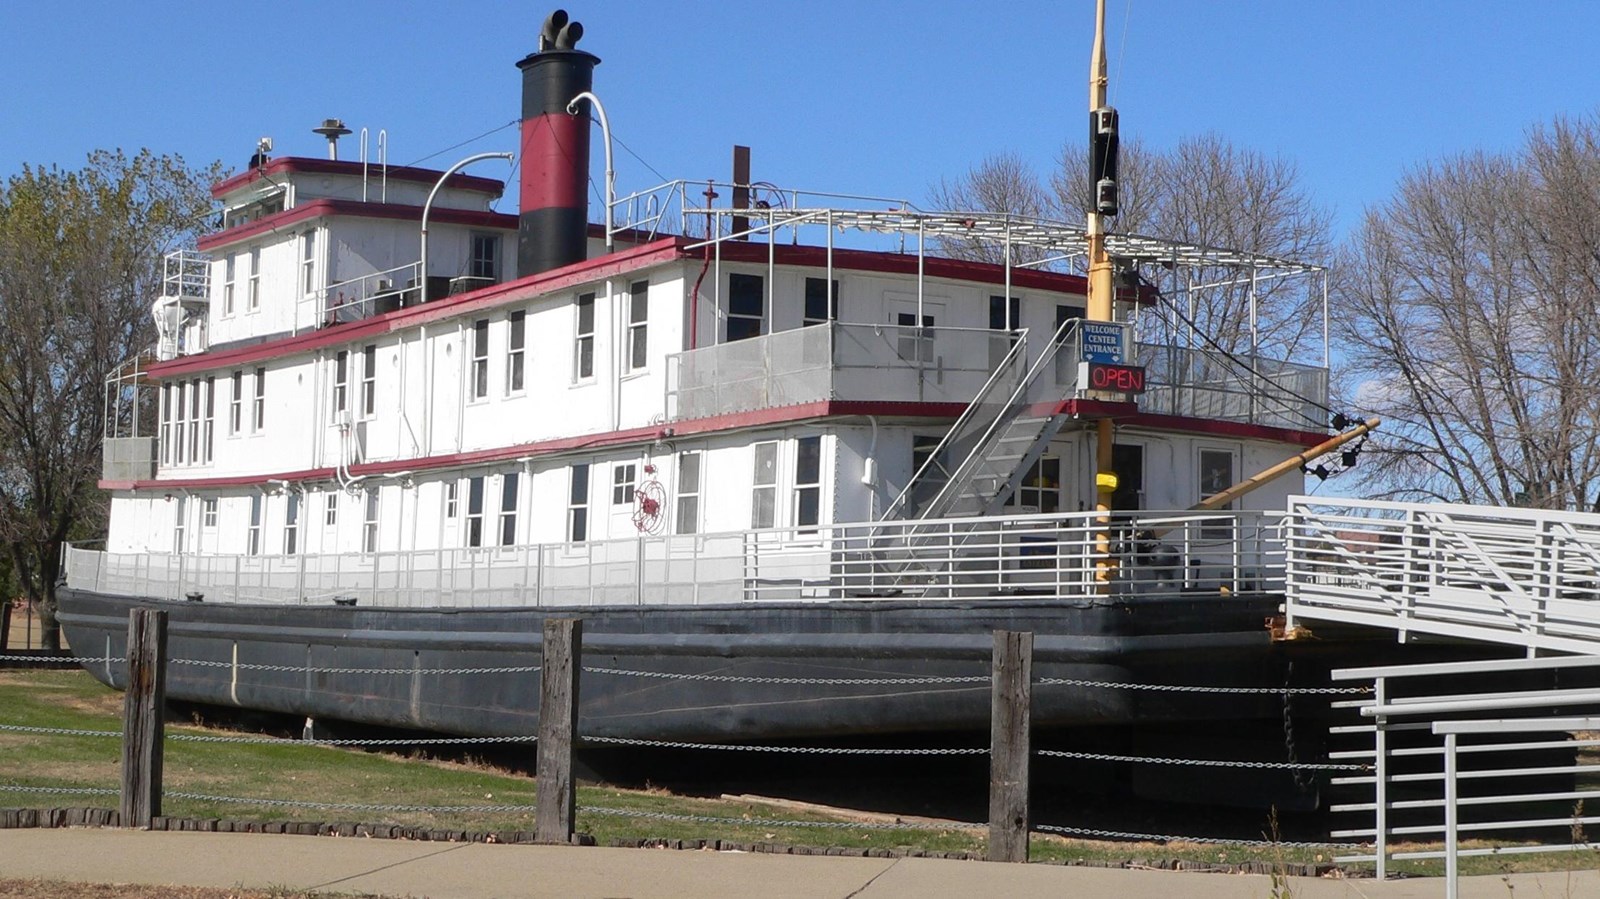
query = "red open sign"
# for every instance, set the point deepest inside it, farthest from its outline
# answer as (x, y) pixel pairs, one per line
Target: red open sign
(1119, 378)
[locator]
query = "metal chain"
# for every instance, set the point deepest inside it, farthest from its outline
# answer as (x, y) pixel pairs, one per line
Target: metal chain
(68, 658)
(1168, 838)
(60, 731)
(346, 806)
(1214, 763)
(1180, 688)
(252, 666)
(64, 791)
(773, 822)
(810, 681)
(280, 741)
(802, 750)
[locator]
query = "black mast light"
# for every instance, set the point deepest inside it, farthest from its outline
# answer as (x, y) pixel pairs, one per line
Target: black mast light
(1103, 159)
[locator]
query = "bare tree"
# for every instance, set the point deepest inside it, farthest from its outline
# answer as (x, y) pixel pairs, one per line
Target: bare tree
(1003, 183)
(1470, 319)
(79, 268)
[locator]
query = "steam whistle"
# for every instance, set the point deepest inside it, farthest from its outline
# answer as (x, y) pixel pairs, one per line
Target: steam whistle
(1103, 159)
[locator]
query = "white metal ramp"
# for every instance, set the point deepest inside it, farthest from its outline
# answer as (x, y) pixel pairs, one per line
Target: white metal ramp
(1525, 577)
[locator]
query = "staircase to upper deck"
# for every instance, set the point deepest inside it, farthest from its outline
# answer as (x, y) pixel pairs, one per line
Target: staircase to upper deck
(1002, 433)
(1523, 577)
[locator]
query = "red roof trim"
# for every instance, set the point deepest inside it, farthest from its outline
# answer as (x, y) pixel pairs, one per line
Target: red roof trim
(715, 424)
(354, 209)
(487, 298)
(311, 165)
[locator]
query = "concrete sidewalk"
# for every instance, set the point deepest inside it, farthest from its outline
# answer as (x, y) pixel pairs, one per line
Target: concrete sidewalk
(481, 871)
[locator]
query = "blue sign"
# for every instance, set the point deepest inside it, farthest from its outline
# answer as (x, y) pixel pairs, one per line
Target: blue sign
(1102, 342)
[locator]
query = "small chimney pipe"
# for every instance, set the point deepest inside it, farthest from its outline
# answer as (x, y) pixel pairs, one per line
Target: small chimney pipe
(553, 220)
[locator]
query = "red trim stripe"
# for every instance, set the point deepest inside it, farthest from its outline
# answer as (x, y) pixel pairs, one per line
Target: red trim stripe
(354, 209)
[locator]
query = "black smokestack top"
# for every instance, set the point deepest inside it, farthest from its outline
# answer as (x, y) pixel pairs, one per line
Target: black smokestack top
(552, 229)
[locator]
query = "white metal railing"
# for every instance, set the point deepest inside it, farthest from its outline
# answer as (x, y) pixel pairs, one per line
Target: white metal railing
(186, 274)
(1501, 752)
(670, 207)
(368, 295)
(1526, 577)
(949, 559)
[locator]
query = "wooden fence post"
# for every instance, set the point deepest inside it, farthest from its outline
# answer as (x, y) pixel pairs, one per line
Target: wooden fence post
(1010, 745)
(556, 803)
(143, 705)
(5, 624)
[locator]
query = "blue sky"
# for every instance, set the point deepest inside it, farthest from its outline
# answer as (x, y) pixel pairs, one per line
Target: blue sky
(870, 97)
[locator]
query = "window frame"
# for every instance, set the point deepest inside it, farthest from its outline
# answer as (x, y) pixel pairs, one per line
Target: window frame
(369, 380)
(624, 482)
(369, 522)
(253, 284)
(291, 523)
(764, 489)
(811, 488)
(516, 352)
(253, 532)
(832, 302)
(229, 277)
(208, 513)
(637, 357)
(341, 383)
(742, 286)
(308, 263)
(510, 499)
(478, 372)
(258, 407)
(472, 536)
(583, 305)
(578, 502)
(687, 505)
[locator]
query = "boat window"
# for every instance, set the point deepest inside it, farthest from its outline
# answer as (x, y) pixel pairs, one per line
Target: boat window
(747, 305)
(480, 359)
(623, 476)
(180, 516)
(228, 268)
(807, 480)
(516, 345)
(914, 343)
(194, 421)
(236, 404)
(341, 382)
(166, 424)
(508, 508)
(638, 327)
(178, 424)
(1006, 318)
(211, 405)
(822, 304)
(583, 349)
(451, 507)
(308, 262)
(1217, 472)
(475, 511)
(253, 294)
(253, 536)
(369, 379)
(1040, 490)
(688, 517)
(331, 513)
(578, 505)
(369, 530)
(291, 524)
(764, 493)
(485, 257)
(208, 512)
(259, 416)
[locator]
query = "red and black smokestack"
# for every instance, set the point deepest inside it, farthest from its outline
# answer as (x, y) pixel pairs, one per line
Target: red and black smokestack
(552, 229)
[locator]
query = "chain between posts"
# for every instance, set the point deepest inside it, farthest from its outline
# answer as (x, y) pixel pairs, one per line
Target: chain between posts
(12, 657)
(802, 750)
(774, 822)
(1169, 838)
(346, 806)
(807, 681)
(252, 666)
(1181, 688)
(1212, 763)
(63, 791)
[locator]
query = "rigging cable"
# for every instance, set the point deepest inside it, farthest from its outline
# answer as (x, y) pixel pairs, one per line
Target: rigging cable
(469, 140)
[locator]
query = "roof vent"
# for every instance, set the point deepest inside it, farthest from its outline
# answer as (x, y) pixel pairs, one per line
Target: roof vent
(332, 129)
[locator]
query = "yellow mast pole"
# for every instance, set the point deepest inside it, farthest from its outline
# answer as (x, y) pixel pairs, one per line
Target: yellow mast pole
(1099, 302)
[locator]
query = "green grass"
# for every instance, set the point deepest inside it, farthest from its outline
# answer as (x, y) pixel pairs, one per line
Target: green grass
(326, 774)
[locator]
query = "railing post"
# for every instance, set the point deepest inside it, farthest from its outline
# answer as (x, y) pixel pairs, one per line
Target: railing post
(142, 708)
(556, 802)
(1380, 781)
(1010, 748)
(1452, 872)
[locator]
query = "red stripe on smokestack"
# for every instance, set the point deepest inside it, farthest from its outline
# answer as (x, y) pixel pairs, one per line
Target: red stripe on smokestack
(555, 153)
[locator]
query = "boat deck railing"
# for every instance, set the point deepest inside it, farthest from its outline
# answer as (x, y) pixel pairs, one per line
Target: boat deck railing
(950, 559)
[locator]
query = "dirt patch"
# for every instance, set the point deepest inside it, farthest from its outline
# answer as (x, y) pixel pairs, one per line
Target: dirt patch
(56, 889)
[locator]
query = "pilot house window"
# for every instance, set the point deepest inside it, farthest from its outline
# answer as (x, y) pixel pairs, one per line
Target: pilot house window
(747, 306)
(485, 257)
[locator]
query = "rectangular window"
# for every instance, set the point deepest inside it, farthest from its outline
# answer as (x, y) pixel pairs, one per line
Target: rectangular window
(369, 529)
(211, 408)
(258, 418)
(451, 505)
(1005, 318)
(1066, 367)
(638, 327)
(291, 525)
(227, 284)
(913, 342)
(807, 480)
(508, 508)
(208, 512)
(764, 494)
(254, 533)
(516, 344)
(180, 517)
(1216, 475)
(822, 304)
(166, 424)
(688, 517)
(178, 424)
(308, 262)
(253, 294)
(480, 359)
(330, 513)
(341, 383)
(475, 511)
(578, 505)
(194, 421)
(583, 350)
(485, 257)
(747, 306)
(369, 380)
(236, 404)
(623, 476)
(1040, 489)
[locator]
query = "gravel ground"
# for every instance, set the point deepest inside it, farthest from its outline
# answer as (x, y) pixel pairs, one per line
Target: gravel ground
(58, 889)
